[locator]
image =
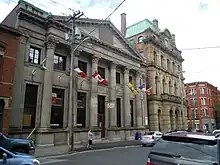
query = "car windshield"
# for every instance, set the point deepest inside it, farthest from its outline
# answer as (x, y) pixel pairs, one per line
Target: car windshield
(190, 149)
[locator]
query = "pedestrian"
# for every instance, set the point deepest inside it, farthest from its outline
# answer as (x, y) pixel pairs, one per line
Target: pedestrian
(90, 138)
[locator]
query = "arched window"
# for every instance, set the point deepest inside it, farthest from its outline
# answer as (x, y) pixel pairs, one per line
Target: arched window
(164, 85)
(140, 39)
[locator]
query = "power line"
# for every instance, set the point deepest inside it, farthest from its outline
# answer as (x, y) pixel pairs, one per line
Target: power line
(200, 48)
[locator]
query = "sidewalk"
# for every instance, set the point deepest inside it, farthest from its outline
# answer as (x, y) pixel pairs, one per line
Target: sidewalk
(59, 150)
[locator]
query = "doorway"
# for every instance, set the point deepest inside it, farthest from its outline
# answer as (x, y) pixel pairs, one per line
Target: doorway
(101, 114)
(2, 105)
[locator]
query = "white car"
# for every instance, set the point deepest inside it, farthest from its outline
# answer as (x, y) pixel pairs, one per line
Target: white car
(150, 138)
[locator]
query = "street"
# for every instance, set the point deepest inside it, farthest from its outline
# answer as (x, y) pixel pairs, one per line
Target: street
(116, 156)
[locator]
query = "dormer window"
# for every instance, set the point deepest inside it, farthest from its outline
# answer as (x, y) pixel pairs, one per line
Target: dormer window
(140, 39)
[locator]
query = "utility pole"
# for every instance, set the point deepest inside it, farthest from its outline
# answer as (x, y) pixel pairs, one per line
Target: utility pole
(72, 83)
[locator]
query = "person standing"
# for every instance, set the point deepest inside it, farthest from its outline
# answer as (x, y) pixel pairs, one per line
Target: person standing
(90, 138)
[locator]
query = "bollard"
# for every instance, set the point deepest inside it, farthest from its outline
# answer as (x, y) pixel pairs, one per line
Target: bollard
(218, 150)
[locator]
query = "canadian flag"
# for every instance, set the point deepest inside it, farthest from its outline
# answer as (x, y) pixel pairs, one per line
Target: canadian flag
(99, 78)
(80, 72)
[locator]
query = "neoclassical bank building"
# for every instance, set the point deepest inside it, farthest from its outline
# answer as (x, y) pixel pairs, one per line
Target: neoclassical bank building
(42, 81)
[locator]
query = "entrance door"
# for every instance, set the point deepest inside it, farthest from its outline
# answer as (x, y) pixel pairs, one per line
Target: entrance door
(2, 105)
(101, 114)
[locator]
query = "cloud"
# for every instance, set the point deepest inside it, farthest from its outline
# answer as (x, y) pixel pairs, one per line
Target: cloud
(192, 27)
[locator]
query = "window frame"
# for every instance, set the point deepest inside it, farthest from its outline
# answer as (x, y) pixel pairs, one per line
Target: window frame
(34, 48)
(63, 68)
(118, 78)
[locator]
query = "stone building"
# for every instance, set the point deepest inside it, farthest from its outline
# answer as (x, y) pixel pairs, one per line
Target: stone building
(36, 81)
(158, 47)
(9, 42)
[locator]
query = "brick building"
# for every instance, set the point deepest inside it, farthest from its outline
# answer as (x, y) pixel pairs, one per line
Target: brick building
(202, 98)
(9, 41)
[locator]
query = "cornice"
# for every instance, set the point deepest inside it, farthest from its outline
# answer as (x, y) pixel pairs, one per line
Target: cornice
(114, 49)
(50, 22)
(113, 28)
(152, 40)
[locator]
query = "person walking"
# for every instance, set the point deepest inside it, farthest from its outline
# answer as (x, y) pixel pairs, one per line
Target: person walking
(90, 138)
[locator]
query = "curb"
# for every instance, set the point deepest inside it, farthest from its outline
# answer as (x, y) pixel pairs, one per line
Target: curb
(96, 148)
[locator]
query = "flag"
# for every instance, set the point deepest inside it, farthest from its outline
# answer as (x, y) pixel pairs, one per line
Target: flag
(80, 72)
(131, 87)
(143, 89)
(99, 78)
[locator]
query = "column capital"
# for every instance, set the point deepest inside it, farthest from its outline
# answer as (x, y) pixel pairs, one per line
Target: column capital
(95, 59)
(76, 52)
(51, 42)
(114, 64)
(138, 74)
(126, 70)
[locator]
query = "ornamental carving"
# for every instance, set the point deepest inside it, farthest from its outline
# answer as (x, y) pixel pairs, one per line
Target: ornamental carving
(126, 70)
(51, 42)
(95, 59)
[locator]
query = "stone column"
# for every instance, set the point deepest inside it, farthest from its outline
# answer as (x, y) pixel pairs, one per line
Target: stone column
(113, 114)
(127, 114)
(47, 84)
(17, 111)
(94, 95)
(138, 101)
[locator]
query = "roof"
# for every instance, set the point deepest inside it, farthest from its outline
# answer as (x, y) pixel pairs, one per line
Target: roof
(195, 135)
(199, 82)
(10, 29)
(138, 27)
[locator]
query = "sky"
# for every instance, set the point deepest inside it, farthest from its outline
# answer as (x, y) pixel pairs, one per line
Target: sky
(194, 22)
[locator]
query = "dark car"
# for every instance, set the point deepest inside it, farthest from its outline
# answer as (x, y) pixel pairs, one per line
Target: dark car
(9, 158)
(184, 148)
(17, 145)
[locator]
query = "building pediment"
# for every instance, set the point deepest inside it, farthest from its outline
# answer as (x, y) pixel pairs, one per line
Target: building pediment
(104, 32)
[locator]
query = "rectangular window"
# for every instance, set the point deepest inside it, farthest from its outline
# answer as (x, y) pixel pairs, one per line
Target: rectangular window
(118, 112)
(1, 64)
(59, 62)
(30, 104)
(57, 108)
(81, 109)
(202, 90)
(118, 78)
(132, 113)
(34, 55)
(101, 71)
(130, 79)
(82, 66)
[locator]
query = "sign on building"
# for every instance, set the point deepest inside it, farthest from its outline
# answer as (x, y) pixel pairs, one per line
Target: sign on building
(54, 98)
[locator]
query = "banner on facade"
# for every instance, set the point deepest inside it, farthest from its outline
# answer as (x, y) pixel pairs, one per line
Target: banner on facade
(54, 98)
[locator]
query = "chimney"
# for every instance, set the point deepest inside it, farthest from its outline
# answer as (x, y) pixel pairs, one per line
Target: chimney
(155, 23)
(173, 39)
(123, 24)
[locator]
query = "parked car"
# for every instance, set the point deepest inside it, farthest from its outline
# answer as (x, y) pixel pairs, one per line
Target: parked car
(17, 145)
(9, 158)
(150, 138)
(184, 148)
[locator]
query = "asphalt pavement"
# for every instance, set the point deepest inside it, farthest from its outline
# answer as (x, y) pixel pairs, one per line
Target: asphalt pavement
(114, 156)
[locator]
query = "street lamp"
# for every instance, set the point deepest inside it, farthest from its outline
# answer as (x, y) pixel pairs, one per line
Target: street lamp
(181, 95)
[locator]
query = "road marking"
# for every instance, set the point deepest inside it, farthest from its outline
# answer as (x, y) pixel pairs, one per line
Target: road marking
(88, 151)
(49, 161)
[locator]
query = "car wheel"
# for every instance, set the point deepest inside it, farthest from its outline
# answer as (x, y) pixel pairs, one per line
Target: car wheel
(144, 145)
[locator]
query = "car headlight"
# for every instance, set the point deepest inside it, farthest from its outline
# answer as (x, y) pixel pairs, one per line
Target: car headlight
(36, 162)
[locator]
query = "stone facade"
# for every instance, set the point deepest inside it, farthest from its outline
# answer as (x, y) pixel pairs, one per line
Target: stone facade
(106, 49)
(167, 110)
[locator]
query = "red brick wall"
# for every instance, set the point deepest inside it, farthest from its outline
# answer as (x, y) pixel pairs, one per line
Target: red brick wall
(11, 40)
